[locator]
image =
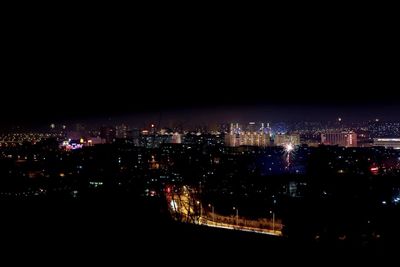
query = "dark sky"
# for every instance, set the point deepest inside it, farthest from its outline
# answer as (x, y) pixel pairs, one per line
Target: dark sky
(112, 66)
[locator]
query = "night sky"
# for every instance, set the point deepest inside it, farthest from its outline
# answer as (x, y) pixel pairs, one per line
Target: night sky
(130, 68)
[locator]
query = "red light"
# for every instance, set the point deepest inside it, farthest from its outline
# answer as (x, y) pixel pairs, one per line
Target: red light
(374, 170)
(152, 126)
(168, 190)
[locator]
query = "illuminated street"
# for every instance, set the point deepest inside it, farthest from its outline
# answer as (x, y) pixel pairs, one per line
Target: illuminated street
(186, 208)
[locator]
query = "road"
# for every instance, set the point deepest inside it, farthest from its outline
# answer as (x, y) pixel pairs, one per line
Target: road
(188, 209)
(208, 222)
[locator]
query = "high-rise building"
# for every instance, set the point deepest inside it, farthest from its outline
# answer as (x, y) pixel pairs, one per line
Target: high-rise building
(247, 139)
(121, 131)
(253, 134)
(234, 128)
(252, 127)
(346, 138)
(135, 133)
(265, 128)
(286, 139)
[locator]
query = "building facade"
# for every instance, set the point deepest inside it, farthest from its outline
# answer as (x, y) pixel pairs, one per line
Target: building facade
(345, 139)
(387, 142)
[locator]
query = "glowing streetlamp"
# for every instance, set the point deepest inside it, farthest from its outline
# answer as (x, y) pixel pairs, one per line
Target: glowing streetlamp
(212, 211)
(237, 215)
(201, 210)
(273, 220)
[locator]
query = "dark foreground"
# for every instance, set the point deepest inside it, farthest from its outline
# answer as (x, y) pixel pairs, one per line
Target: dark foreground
(116, 231)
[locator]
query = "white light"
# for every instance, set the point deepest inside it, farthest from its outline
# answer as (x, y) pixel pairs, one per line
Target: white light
(289, 148)
(174, 205)
(388, 139)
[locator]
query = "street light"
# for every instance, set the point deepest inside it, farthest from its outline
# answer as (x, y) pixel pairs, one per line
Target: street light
(201, 211)
(273, 220)
(237, 215)
(212, 211)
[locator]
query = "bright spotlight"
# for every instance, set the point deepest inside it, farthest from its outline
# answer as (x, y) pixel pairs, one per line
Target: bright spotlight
(289, 148)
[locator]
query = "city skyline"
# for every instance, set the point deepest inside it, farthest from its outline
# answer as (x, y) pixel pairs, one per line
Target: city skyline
(215, 115)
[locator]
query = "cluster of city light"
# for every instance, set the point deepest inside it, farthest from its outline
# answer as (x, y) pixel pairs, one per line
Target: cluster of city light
(26, 137)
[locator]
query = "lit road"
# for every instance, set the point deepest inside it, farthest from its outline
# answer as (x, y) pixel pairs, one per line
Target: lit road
(187, 209)
(207, 222)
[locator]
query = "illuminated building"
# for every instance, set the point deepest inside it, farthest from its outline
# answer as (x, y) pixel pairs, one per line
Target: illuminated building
(387, 142)
(247, 139)
(346, 139)
(252, 127)
(287, 139)
(72, 144)
(234, 128)
(176, 138)
(135, 136)
(253, 135)
(266, 129)
(121, 131)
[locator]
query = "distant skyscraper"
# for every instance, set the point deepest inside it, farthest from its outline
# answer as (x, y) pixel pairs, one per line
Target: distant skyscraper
(346, 139)
(121, 131)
